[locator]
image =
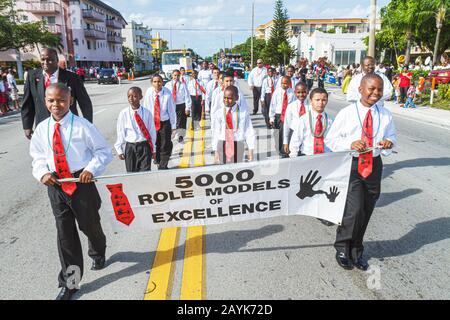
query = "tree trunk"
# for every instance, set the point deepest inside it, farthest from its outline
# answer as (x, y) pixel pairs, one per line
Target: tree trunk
(436, 47)
(408, 46)
(19, 65)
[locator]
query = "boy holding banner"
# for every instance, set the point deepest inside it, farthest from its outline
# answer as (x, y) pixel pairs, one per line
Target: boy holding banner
(67, 146)
(367, 128)
(232, 126)
(136, 134)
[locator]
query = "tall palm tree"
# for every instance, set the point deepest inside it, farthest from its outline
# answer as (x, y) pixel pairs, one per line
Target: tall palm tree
(440, 18)
(285, 49)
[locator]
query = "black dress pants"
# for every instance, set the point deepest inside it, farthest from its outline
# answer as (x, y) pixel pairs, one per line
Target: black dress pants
(82, 209)
(361, 199)
(278, 124)
(266, 108)
(196, 112)
(256, 97)
(164, 144)
(181, 117)
(138, 157)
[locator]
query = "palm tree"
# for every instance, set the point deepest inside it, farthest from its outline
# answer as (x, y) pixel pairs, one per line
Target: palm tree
(440, 18)
(285, 49)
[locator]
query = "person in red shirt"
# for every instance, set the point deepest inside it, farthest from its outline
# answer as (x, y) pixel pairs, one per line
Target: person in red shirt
(405, 81)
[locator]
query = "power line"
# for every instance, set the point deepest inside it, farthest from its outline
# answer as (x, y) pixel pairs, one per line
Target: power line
(203, 30)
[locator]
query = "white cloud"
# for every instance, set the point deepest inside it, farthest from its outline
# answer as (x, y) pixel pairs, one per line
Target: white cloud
(203, 10)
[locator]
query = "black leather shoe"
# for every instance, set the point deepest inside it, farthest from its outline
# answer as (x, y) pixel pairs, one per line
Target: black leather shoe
(98, 264)
(325, 222)
(361, 264)
(344, 261)
(66, 293)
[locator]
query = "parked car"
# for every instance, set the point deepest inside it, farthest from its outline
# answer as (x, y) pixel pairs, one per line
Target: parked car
(107, 76)
(239, 67)
(442, 76)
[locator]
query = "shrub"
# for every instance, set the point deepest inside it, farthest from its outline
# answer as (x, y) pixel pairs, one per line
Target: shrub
(444, 91)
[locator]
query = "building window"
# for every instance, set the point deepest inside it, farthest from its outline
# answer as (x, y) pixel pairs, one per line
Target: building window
(312, 28)
(345, 57)
(49, 20)
(88, 45)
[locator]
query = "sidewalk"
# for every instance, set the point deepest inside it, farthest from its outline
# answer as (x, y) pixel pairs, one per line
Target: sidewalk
(437, 117)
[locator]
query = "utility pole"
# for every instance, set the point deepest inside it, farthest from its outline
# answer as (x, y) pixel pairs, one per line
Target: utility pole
(231, 34)
(18, 54)
(253, 34)
(373, 21)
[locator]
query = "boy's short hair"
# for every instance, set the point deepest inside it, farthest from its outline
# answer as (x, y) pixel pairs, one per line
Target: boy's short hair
(301, 84)
(176, 70)
(61, 87)
(157, 75)
(318, 91)
(137, 89)
(233, 89)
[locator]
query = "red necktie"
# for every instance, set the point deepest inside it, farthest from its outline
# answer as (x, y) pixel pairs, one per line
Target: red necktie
(302, 110)
(120, 203)
(215, 86)
(196, 89)
(318, 142)
(61, 165)
(144, 130)
(174, 92)
(272, 87)
(285, 104)
(366, 159)
(229, 137)
(47, 82)
(182, 79)
(157, 113)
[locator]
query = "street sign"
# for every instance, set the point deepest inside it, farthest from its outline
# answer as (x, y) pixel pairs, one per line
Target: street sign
(311, 48)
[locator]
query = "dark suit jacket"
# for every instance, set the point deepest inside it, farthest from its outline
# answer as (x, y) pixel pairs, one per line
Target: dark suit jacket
(33, 106)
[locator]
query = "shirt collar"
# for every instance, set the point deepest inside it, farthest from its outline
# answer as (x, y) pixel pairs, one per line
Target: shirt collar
(64, 122)
(53, 75)
(138, 109)
(362, 107)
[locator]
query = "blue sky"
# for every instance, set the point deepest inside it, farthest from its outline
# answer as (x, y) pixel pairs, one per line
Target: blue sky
(226, 14)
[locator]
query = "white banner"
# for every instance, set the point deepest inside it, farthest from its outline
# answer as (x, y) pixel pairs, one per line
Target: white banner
(314, 186)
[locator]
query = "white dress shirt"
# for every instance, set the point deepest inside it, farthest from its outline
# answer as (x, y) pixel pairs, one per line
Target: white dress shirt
(294, 82)
(54, 76)
(276, 104)
(182, 93)
(267, 85)
(347, 128)
(256, 77)
(210, 87)
(204, 76)
(88, 149)
(292, 114)
(217, 99)
(353, 94)
(302, 137)
(242, 132)
(166, 103)
(128, 130)
(192, 88)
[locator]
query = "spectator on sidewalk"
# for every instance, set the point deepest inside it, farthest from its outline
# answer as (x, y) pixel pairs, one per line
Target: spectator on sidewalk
(405, 81)
(14, 92)
(395, 84)
(3, 97)
(348, 74)
(411, 95)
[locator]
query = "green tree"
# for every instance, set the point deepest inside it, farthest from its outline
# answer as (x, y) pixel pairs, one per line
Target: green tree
(286, 51)
(278, 35)
(440, 19)
(129, 58)
(18, 35)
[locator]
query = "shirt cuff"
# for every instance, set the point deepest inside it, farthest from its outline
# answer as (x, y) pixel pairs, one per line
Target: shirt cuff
(41, 173)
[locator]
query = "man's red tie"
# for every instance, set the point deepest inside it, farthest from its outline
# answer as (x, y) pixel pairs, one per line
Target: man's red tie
(144, 130)
(196, 89)
(47, 81)
(61, 165)
(157, 113)
(365, 160)
(182, 79)
(174, 92)
(120, 203)
(285, 104)
(302, 110)
(215, 86)
(272, 86)
(229, 137)
(318, 142)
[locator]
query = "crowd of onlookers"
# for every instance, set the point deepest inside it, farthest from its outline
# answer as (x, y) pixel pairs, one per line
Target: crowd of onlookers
(9, 93)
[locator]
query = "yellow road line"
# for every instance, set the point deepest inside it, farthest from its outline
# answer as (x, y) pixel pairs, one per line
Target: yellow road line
(159, 286)
(193, 279)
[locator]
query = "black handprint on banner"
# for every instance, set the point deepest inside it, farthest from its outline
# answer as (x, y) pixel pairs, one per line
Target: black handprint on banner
(307, 185)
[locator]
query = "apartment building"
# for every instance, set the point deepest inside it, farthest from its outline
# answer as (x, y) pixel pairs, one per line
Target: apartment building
(90, 31)
(139, 39)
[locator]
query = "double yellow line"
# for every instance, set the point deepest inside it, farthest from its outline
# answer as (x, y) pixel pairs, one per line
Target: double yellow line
(160, 282)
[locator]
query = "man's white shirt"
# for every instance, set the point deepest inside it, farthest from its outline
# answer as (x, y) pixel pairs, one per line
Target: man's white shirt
(292, 115)
(353, 94)
(267, 85)
(182, 93)
(204, 76)
(256, 77)
(276, 104)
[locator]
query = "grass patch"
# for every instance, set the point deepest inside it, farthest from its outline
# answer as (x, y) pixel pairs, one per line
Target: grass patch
(438, 103)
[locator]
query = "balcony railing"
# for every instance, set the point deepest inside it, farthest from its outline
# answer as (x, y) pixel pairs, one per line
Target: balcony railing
(93, 15)
(96, 34)
(42, 7)
(115, 39)
(54, 28)
(114, 24)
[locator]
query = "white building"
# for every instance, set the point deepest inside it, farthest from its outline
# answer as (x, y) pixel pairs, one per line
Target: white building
(339, 48)
(139, 39)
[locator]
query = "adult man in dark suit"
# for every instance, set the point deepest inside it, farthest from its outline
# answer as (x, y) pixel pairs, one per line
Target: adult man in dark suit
(33, 107)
